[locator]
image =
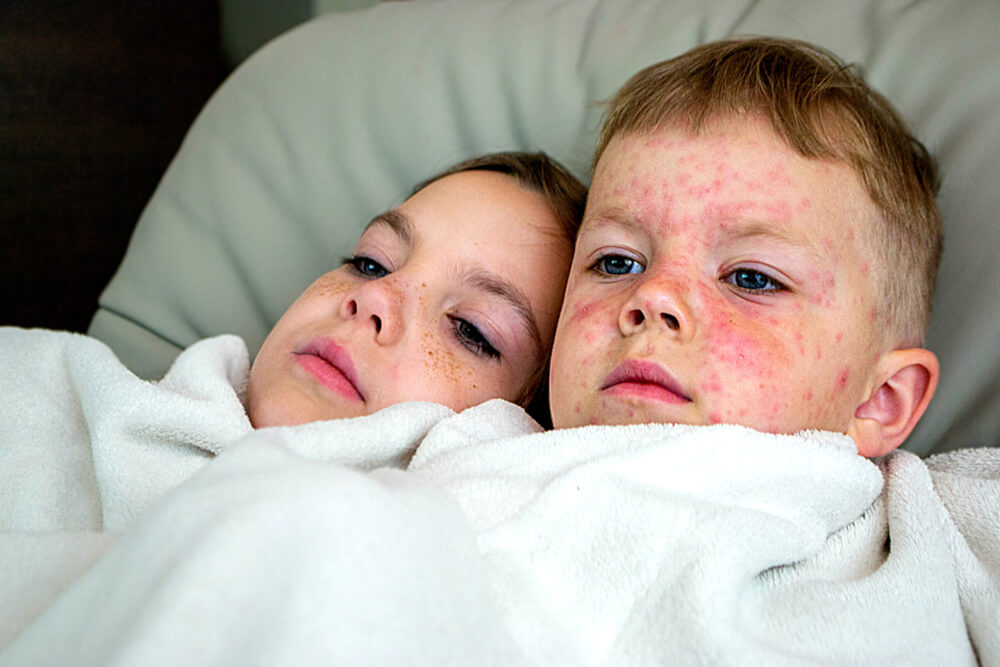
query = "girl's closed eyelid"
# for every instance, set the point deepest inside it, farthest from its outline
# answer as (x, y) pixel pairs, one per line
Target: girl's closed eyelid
(471, 337)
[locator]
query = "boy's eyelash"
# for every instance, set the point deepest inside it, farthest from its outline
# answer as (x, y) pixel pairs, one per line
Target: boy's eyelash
(469, 335)
(761, 281)
(616, 264)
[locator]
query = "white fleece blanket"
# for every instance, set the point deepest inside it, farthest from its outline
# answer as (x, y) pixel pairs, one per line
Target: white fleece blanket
(499, 544)
(86, 446)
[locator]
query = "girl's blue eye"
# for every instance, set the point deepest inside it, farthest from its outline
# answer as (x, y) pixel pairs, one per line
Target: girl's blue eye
(366, 267)
(469, 335)
(617, 265)
(753, 281)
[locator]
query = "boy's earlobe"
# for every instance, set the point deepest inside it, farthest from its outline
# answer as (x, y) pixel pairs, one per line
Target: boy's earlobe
(906, 383)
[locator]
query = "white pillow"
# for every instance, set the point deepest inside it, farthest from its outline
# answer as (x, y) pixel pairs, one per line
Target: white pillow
(337, 119)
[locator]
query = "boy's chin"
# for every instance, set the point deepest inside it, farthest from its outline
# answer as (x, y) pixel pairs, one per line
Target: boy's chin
(621, 415)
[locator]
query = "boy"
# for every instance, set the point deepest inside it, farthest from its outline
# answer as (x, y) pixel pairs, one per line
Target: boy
(759, 248)
(450, 299)
(744, 316)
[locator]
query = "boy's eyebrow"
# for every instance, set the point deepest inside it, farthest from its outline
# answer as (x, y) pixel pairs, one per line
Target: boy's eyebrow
(615, 215)
(752, 229)
(398, 222)
(487, 281)
(749, 228)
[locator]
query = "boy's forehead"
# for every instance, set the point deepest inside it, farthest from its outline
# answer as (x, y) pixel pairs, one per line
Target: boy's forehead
(738, 178)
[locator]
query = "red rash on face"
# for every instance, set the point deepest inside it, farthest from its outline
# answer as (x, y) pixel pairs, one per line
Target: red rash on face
(842, 377)
(692, 207)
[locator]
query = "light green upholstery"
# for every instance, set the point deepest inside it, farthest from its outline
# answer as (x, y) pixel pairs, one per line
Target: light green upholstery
(337, 119)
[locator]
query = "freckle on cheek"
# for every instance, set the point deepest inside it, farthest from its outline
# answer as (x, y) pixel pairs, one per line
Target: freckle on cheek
(438, 360)
(331, 284)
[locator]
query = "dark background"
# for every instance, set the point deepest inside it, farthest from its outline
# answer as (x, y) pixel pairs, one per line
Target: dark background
(95, 98)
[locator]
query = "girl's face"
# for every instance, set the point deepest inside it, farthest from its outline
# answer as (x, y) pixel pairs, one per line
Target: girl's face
(450, 298)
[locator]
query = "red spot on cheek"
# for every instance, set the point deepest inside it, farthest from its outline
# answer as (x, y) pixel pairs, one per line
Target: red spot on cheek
(584, 311)
(715, 418)
(808, 396)
(842, 377)
(839, 337)
(631, 413)
(800, 341)
(713, 385)
(576, 408)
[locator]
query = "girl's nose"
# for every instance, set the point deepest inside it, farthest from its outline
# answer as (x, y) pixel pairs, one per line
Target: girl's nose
(378, 306)
(660, 304)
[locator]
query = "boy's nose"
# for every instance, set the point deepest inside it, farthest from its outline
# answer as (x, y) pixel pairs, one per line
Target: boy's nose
(659, 304)
(376, 305)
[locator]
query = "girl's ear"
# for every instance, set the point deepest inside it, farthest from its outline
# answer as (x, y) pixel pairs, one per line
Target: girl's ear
(905, 381)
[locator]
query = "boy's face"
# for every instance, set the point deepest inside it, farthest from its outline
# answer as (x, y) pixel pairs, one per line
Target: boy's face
(718, 278)
(451, 298)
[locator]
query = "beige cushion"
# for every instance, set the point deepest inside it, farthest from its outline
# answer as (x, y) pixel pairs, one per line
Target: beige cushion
(337, 119)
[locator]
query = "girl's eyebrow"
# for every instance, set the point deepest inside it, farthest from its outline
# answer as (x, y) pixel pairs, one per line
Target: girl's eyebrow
(398, 222)
(480, 279)
(491, 283)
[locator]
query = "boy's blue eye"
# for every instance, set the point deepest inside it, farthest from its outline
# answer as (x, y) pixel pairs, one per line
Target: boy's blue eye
(617, 265)
(366, 266)
(753, 281)
(471, 337)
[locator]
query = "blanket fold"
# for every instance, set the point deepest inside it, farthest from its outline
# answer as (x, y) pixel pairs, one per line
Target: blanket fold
(420, 536)
(86, 447)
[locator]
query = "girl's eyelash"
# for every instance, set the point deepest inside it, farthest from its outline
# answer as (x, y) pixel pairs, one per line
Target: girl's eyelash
(366, 267)
(472, 338)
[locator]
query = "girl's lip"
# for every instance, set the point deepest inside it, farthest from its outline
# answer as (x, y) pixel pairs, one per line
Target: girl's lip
(331, 364)
(645, 379)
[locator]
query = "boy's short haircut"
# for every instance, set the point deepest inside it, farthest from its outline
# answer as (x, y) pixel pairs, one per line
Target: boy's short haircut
(566, 197)
(563, 192)
(821, 108)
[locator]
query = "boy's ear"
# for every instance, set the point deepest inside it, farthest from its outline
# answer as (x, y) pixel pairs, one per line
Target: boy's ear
(905, 381)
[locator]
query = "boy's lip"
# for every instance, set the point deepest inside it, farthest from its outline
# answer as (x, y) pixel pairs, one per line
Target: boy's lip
(644, 379)
(331, 364)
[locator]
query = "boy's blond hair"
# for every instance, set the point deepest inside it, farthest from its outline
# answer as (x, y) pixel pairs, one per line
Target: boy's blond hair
(821, 108)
